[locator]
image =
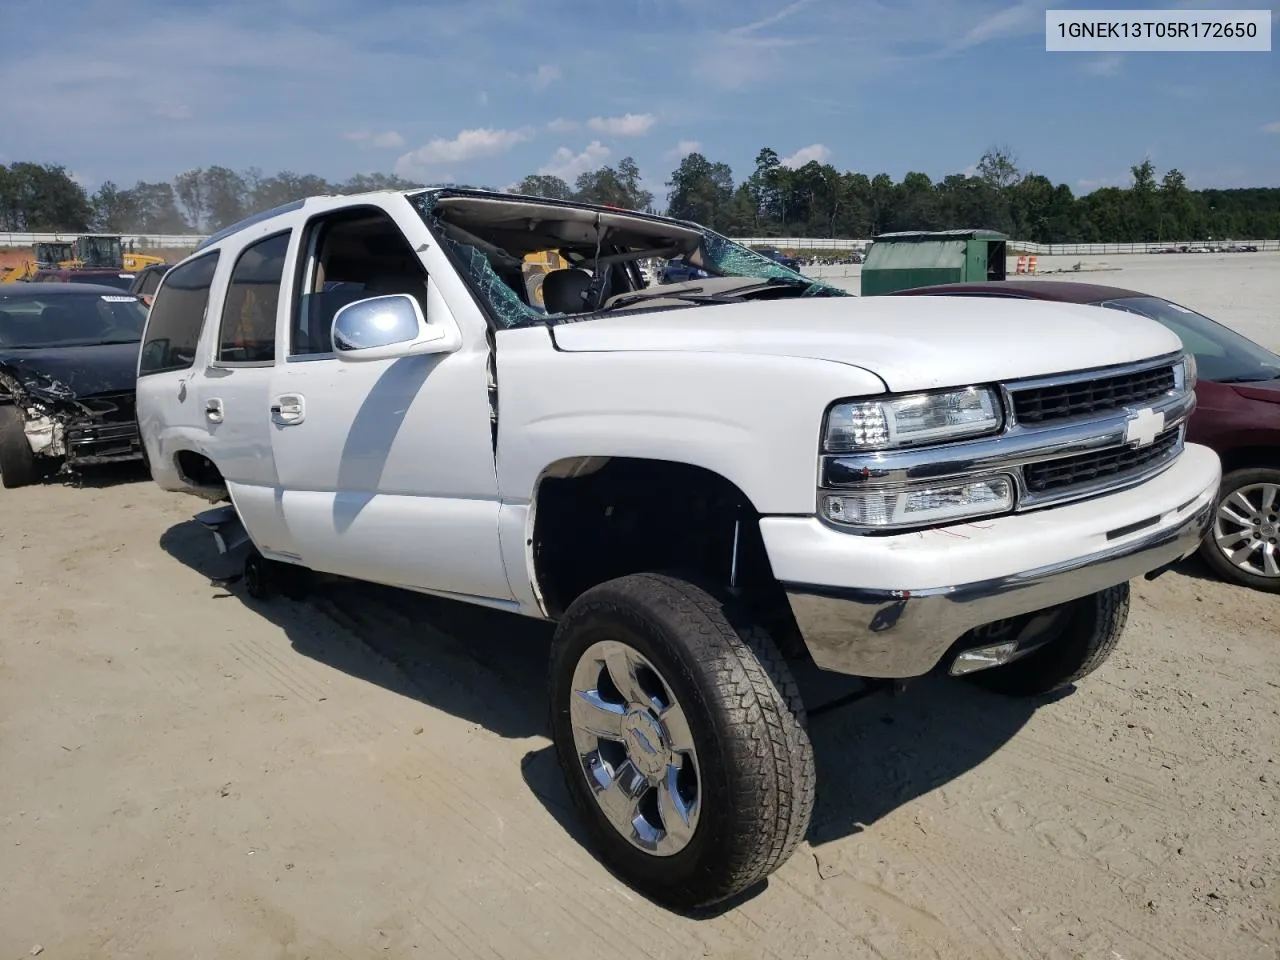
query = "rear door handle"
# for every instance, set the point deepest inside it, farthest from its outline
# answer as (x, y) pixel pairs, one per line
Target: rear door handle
(213, 410)
(288, 408)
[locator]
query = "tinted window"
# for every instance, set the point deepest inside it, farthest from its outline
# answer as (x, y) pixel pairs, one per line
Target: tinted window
(80, 319)
(357, 254)
(120, 282)
(1222, 355)
(248, 330)
(151, 282)
(177, 316)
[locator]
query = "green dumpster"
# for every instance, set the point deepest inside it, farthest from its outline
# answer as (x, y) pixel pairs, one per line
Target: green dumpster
(898, 261)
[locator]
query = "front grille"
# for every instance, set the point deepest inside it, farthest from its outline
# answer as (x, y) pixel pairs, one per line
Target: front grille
(1061, 401)
(1115, 464)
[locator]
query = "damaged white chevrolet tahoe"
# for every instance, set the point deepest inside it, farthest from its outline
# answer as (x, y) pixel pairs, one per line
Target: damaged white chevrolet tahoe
(695, 480)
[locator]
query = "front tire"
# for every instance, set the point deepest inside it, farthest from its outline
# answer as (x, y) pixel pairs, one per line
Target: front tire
(1243, 545)
(681, 736)
(1090, 630)
(18, 466)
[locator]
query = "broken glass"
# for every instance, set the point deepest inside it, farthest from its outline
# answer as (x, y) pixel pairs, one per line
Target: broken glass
(717, 254)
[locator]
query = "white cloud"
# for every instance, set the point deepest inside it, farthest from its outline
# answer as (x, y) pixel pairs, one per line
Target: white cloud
(483, 97)
(545, 76)
(566, 164)
(815, 151)
(628, 125)
(683, 149)
(467, 145)
(1107, 66)
(561, 125)
(1008, 22)
(388, 140)
(771, 19)
(1271, 127)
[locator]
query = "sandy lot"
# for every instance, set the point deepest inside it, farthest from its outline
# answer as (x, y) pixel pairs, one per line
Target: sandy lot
(1241, 290)
(187, 773)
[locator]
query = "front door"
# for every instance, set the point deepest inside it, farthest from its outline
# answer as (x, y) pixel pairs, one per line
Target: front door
(385, 468)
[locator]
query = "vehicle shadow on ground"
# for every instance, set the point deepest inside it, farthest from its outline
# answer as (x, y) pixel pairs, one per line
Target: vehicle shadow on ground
(874, 752)
(103, 475)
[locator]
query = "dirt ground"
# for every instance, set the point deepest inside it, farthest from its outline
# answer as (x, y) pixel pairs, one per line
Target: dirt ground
(1241, 290)
(185, 772)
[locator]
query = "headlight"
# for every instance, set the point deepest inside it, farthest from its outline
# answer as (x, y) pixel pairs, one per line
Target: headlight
(921, 503)
(908, 421)
(1188, 372)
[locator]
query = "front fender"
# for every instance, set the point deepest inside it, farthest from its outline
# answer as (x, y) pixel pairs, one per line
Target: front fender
(754, 419)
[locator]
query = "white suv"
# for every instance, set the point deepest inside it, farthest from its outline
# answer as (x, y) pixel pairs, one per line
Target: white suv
(696, 480)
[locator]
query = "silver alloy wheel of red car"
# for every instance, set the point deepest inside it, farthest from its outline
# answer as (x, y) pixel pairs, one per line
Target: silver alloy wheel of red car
(1246, 529)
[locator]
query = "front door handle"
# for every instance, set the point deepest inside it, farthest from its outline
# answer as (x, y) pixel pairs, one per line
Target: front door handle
(288, 408)
(213, 410)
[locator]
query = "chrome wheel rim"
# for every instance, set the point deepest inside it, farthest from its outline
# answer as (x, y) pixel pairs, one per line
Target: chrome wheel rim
(1246, 529)
(635, 748)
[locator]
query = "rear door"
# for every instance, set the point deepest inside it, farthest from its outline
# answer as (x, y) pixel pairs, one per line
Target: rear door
(234, 392)
(169, 418)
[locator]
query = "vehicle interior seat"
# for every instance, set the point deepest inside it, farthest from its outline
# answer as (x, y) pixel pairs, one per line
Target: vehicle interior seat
(565, 291)
(389, 283)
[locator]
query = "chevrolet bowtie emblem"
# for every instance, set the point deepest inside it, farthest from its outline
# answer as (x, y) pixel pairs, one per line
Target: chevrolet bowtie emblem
(1143, 427)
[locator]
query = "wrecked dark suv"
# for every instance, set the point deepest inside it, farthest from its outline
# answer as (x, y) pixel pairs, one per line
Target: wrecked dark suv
(68, 377)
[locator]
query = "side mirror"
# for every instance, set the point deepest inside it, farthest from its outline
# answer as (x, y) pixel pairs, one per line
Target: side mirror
(386, 328)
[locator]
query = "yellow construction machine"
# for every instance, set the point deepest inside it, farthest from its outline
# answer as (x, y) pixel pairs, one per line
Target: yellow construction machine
(91, 251)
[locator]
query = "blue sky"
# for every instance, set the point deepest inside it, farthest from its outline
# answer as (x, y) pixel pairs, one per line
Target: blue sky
(489, 90)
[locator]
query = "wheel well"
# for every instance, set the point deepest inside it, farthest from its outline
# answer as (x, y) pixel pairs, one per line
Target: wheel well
(1242, 457)
(198, 470)
(600, 518)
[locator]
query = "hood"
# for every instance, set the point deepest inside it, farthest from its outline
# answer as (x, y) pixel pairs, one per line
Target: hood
(911, 343)
(1268, 391)
(62, 372)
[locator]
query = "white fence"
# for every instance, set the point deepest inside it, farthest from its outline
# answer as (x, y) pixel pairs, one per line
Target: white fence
(176, 241)
(1026, 246)
(141, 241)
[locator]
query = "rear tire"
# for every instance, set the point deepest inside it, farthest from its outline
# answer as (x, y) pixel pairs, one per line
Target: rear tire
(257, 576)
(1092, 630)
(738, 751)
(18, 466)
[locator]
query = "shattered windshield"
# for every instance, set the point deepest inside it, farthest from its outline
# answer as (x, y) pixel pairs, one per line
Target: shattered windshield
(69, 320)
(531, 261)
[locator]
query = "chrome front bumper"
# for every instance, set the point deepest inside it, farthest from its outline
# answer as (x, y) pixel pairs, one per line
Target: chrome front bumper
(898, 633)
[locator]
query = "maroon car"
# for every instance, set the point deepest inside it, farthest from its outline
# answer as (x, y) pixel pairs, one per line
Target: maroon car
(1237, 414)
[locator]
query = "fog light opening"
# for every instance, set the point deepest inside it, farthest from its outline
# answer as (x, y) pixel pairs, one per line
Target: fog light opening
(984, 658)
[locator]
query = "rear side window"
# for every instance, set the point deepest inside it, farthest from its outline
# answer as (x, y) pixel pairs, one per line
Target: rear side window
(247, 333)
(150, 282)
(177, 316)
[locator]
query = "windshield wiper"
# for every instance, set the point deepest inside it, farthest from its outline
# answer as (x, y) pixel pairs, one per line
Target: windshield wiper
(693, 295)
(1262, 379)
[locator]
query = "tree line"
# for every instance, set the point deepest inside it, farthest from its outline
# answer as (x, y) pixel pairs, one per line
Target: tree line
(817, 200)
(813, 200)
